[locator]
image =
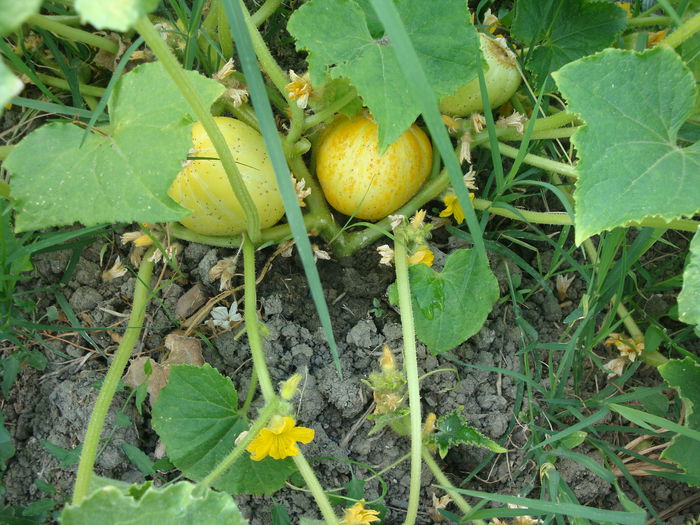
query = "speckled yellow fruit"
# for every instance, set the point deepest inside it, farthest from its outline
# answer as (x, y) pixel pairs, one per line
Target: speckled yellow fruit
(502, 80)
(202, 186)
(357, 181)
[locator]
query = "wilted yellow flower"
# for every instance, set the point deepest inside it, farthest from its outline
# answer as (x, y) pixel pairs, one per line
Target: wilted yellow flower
(453, 207)
(138, 238)
(491, 21)
(279, 439)
(628, 347)
(387, 361)
(451, 123)
(359, 515)
(418, 219)
(429, 424)
(656, 37)
(224, 270)
(439, 504)
(627, 7)
(478, 122)
(465, 148)
(422, 255)
(288, 388)
(116, 271)
(386, 254)
(514, 120)
(299, 88)
(301, 190)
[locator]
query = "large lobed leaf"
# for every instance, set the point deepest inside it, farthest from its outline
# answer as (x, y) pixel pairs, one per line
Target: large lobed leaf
(562, 32)
(684, 376)
(197, 419)
(118, 15)
(689, 298)
(630, 165)
(10, 85)
(452, 305)
(343, 40)
(178, 503)
(13, 13)
(120, 174)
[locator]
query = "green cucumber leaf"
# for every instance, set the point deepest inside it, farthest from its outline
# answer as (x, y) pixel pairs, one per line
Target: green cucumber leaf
(630, 165)
(689, 298)
(196, 417)
(7, 446)
(454, 429)
(383, 420)
(452, 305)
(444, 39)
(118, 15)
(562, 32)
(120, 174)
(14, 13)
(684, 376)
(10, 86)
(177, 503)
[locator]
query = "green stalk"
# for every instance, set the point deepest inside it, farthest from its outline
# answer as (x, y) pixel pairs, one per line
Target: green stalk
(329, 111)
(111, 381)
(410, 363)
(278, 77)
(177, 74)
(266, 387)
(642, 21)
(61, 83)
(72, 33)
(265, 414)
(265, 11)
(224, 32)
(683, 33)
(537, 161)
(449, 488)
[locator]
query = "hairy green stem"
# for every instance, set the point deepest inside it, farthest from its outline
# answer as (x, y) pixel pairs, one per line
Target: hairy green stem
(111, 381)
(182, 81)
(410, 364)
(683, 33)
(263, 417)
(278, 77)
(252, 388)
(642, 21)
(449, 488)
(265, 11)
(537, 161)
(61, 83)
(266, 387)
(329, 111)
(72, 33)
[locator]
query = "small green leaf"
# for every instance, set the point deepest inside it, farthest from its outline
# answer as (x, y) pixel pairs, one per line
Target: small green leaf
(573, 440)
(120, 174)
(684, 376)
(176, 503)
(196, 418)
(65, 456)
(444, 39)
(139, 458)
(562, 32)
(630, 165)
(118, 15)
(689, 298)
(14, 13)
(10, 85)
(7, 447)
(453, 429)
(382, 420)
(468, 292)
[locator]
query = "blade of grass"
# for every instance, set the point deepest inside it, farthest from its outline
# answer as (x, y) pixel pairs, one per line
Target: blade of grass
(557, 508)
(418, 82)
(268, 129)
(644, 420)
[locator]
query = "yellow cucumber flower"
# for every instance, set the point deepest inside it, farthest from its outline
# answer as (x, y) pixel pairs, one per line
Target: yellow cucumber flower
(279, 439)
(452, 207)
(359, 515)
(422, 255)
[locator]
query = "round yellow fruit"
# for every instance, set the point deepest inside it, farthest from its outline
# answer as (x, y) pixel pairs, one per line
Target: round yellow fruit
(502, 80)
(357, 181)
(203, 187)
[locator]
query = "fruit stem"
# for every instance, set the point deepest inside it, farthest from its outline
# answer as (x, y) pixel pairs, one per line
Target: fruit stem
(111, 381)
(329, 111)
(182, 81)
(410, 364)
